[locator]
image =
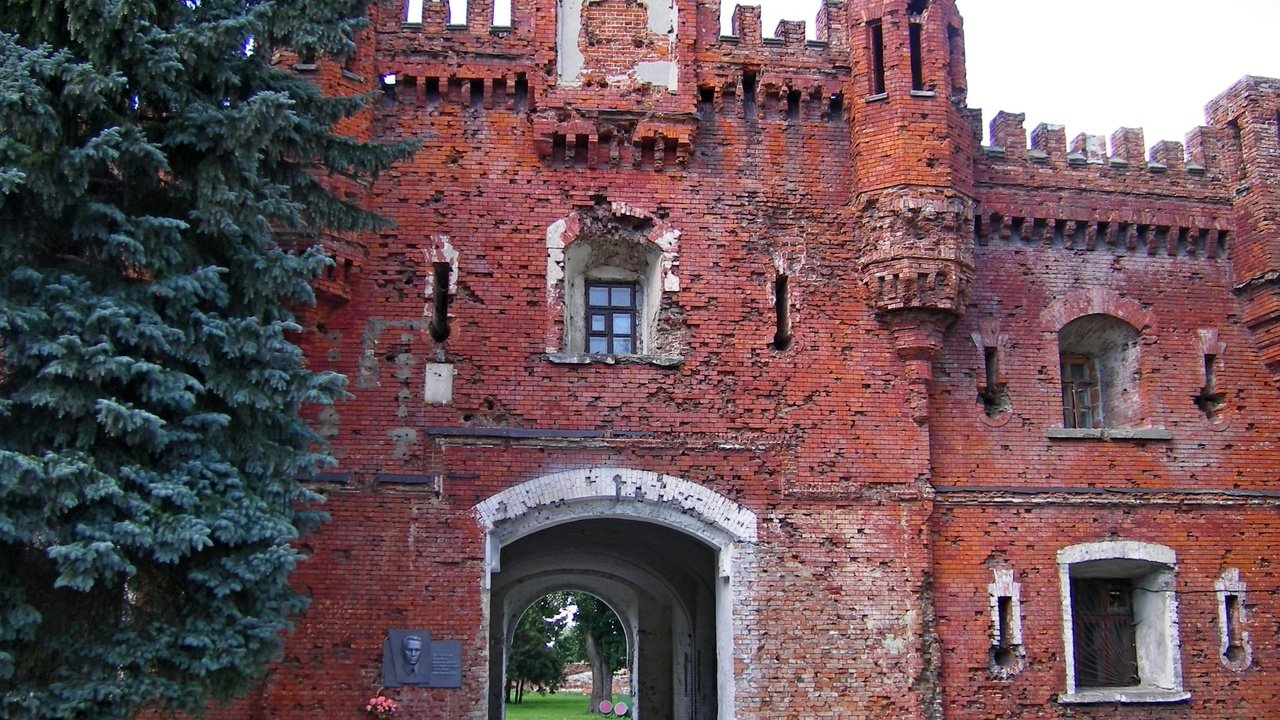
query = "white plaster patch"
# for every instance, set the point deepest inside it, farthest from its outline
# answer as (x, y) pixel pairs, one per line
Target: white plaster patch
(438, 387)
(1227, 585)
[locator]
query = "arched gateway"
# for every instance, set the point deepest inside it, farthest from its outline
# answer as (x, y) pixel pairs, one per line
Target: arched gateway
(659, 550)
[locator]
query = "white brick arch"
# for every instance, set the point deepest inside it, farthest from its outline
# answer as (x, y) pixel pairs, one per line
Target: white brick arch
(616, 492)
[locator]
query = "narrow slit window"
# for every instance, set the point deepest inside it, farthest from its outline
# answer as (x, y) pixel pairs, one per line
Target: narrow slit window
(440, 275)
(1006, 650)
(1235, 639)
(782, 337)
(477, 92)
(876, 39)
(793, 105)
(915, 30)
(748, 94)
(1210, 399)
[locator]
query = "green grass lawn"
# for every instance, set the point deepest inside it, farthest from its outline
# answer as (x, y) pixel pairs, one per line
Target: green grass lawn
(561, 706)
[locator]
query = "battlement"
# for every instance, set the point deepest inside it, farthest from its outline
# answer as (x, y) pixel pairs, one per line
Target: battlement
(1202, 156)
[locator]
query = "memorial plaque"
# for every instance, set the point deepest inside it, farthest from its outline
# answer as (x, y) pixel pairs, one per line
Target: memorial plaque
(446, 664)
(406, 658)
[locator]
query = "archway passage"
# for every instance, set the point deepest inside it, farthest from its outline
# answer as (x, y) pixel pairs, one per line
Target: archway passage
(663, 552)
(660, 581)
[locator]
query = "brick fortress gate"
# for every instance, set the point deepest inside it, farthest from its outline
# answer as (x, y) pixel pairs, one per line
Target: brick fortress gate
(846, 413)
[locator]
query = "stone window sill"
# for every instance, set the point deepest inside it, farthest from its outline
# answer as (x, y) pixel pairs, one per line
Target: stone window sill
(564, 358)
(1135, 695)
(1142, 433)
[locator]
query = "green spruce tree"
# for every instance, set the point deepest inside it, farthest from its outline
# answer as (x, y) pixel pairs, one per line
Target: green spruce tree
(150, 437)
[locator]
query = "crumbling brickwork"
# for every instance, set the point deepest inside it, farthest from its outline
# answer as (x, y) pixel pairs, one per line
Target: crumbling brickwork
(904, 454)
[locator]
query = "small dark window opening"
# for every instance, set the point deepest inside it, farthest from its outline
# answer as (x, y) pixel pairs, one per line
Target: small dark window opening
(835, 106)
(707, 102)
(499, 91)
(432, 91)
(477, 92)
(1081, 396)
(876, 32)
(1006, 651)
(611, 318)
(782, 337)
(915, 30)
(580, 146)
(917, 7)
(793, 105)
(1103, 630)
(439, 326)
(1210, 400)
(557, 150)
(994, 392)
(748, 94)
(955, 56)
(1235, 638)
(522, 92)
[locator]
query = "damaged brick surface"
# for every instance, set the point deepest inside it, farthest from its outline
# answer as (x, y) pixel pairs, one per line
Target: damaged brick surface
(903, 457)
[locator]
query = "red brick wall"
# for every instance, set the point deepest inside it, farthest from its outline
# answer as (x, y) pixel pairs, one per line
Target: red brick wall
(825, 442)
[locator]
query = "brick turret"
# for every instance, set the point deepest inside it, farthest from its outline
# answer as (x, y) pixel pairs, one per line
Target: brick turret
(913, 204)
(1250, 110)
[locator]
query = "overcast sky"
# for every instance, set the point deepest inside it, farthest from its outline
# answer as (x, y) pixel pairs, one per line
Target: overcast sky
(1098, 65)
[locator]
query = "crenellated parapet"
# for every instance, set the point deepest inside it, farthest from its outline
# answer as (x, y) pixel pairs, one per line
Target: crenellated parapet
(1119, 163)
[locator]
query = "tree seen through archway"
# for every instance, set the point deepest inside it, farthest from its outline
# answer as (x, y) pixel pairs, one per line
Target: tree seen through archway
(561, 628)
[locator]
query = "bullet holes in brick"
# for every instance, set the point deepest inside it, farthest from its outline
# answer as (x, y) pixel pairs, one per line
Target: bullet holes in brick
(439, 326)
(782, 337)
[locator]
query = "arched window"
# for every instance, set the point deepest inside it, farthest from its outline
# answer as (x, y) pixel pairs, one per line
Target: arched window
(1099, 358)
